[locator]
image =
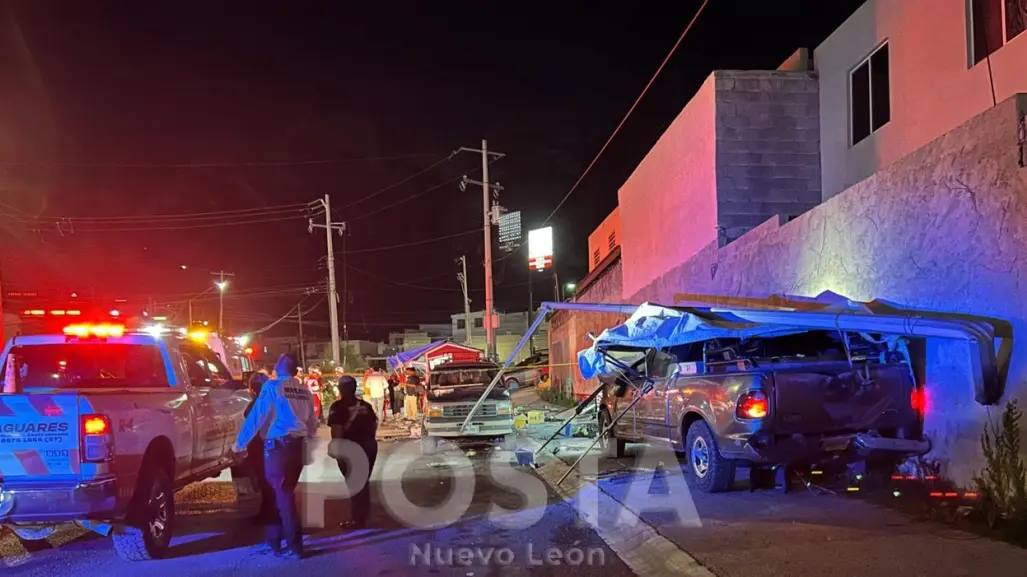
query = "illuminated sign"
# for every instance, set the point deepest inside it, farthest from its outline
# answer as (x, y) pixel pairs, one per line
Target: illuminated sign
(540, 248)
(509, 231)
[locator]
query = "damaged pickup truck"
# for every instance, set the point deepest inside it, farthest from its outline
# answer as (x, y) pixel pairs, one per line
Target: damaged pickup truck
(728, 391)
(453, 388)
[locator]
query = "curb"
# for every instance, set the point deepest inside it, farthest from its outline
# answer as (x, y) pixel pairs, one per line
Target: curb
(636, 542)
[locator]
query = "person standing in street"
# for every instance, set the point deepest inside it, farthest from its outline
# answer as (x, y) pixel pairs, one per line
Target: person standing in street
(412, 389)
(352, 419)
(393, 407)
(377, 386)
(286, 407)
(268, 513)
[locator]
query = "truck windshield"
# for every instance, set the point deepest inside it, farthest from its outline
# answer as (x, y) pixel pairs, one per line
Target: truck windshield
(456, 378)
(83, 365)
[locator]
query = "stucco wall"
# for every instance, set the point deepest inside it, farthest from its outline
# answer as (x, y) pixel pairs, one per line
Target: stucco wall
(768, 147)
(933, 86)
(942, 229)
(668, 205)
(568, 330)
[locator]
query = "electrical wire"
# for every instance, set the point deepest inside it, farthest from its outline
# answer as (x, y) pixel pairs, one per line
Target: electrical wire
(630, 110)
(71, 229)
(397, 183)
(416, 243)
(268, 163)
(283, 211)
(400, 283)
(421, 193)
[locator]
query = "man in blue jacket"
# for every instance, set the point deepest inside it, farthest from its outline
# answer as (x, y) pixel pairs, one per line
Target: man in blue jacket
(286, 408)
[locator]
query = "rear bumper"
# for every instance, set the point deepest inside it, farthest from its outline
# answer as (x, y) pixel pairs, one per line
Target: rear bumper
(55, 501)
(815, 449)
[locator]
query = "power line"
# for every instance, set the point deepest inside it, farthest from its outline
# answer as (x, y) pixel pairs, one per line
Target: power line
(280, 210)
(419, 194)
(268, 163)
(212, 224)
(405, 245)
(630, 110)
(396, 184)
(400, 283)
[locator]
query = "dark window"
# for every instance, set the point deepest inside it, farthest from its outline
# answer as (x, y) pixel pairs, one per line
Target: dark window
(461, 324)
(90, 365)
(219, 373)
(870, 95)
(479, 322)
(994, 23)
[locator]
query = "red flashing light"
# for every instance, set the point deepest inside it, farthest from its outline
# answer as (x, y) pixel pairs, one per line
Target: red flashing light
(95, 425)
(100, 331)
(753, 405)
(248, 351)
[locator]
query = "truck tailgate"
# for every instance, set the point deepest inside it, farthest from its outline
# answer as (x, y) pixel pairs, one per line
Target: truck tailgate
(38, 435)
(823, 401)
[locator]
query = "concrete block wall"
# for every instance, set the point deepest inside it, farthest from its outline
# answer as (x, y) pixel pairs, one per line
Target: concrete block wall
(944, 228)
(568, 330)
(768, 147)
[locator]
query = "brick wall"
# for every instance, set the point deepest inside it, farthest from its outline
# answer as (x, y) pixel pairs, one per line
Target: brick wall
(568, 330)
(768, 147)
(944, 228)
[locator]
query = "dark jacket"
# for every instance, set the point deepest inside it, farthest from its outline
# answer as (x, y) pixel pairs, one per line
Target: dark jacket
(354, 420)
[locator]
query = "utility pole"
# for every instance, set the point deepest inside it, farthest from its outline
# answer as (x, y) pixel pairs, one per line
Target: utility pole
(488, 215)
(333, 297)
(303, 349)
(556, 287)
(462, 277)
(531, 310)
(222, 284)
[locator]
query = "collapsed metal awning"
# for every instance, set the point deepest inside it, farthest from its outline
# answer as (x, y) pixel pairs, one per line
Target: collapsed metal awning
(978, 333)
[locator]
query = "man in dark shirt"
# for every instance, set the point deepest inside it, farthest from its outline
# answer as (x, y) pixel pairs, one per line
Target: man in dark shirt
(353, 419)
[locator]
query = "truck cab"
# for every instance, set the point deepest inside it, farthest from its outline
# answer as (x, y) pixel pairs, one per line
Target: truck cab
(452, 391)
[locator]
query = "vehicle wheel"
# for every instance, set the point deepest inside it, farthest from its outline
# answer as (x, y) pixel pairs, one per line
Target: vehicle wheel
(611, 446)
(713, 473)
(146, 533)
(429, 445)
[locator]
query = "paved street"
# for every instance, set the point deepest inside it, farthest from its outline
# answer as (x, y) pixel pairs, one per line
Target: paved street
(739, 534)
(214, 539)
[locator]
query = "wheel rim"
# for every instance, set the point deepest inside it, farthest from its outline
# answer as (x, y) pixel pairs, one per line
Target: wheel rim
(700, 457)
(159, 507)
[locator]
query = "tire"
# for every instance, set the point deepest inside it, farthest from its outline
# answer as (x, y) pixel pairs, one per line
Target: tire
(712, 472)
(146, 532)
(512, 384)
(612, 447)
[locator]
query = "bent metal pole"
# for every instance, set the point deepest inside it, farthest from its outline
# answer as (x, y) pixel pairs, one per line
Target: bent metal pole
(546, 308)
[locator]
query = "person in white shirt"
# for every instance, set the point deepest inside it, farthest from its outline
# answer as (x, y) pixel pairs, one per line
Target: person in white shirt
(377, 387)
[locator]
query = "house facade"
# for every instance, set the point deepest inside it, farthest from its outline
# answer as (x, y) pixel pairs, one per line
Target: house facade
(892, 168)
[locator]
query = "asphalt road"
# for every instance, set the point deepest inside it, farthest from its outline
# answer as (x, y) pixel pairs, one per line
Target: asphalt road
(213, 536)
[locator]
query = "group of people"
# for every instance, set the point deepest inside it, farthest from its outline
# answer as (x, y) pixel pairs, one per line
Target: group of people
(279, 421)
(384, 392)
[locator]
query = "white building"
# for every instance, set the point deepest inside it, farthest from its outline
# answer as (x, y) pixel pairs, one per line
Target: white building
(900, 73)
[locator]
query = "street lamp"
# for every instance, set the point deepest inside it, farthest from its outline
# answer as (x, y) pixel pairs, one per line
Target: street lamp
(568, 289)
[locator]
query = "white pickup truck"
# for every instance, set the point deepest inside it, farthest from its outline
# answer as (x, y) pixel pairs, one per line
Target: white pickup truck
(101, 427)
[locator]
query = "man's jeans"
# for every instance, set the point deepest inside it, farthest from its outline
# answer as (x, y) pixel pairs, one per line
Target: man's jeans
(378, 404)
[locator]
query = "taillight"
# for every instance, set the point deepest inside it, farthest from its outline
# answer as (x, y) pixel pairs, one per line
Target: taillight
(97, 438)
(918, 401)
(752, 405)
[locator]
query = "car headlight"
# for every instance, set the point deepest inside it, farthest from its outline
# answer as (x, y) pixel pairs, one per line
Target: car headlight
(434, 410)
(504, 408)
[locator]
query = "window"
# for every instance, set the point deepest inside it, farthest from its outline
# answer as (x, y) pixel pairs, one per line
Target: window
(993, 23)
(479, 322)
(595, 257)
(613, 240)
(870, 95)
(89, 365)
(219, 373)
(461, 325)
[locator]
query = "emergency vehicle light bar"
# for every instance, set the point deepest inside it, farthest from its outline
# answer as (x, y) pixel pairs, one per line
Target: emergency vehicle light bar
(99, 330)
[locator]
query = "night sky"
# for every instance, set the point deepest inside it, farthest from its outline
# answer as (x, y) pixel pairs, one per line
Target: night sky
(112, 109)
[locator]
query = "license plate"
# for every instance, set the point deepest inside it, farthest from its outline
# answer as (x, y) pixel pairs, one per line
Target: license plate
(472, 429)
(835, 445)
